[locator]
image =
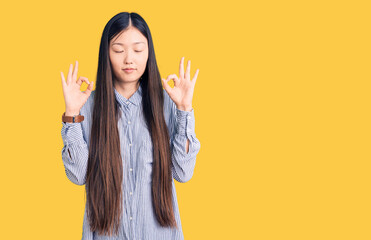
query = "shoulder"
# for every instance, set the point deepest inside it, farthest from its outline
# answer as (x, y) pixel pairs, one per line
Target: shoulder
(169, 105)
(87, 108)
(166, 97)
(90, 100)
(169, 109)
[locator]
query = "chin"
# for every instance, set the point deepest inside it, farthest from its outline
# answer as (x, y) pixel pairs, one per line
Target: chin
(127, 80)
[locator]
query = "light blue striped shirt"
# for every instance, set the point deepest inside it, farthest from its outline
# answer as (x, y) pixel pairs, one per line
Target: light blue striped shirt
(138, 220)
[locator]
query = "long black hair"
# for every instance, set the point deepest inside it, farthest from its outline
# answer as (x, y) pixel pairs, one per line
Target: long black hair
(105, 171)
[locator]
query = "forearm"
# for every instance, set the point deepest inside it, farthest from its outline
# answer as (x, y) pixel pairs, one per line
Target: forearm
(188, 109)
(185, 146)
(74, 152)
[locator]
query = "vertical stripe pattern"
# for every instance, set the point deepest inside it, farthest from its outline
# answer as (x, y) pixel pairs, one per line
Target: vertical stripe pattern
(139, 221)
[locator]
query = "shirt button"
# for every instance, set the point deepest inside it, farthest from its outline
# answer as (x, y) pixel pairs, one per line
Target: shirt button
(130, 144)
(129, 122)
(131, 169)
(127, 102)
(131, 218)
(131, 193)
(189, 117)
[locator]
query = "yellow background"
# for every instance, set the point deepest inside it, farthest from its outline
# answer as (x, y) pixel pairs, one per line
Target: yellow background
(282, 107)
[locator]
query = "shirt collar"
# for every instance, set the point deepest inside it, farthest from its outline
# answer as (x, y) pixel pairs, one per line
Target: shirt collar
(135, 99)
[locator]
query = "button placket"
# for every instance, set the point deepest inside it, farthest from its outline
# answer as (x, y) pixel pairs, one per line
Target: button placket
(130, 138)
(130, 141)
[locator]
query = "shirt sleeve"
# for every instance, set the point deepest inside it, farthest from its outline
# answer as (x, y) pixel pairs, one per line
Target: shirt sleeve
(74, 152)
(183, 162)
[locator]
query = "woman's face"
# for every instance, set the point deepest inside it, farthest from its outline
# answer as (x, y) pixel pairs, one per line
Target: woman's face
(129, 50)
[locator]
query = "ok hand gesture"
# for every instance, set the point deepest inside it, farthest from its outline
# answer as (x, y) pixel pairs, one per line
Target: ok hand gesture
(182, 93)
(74, 98)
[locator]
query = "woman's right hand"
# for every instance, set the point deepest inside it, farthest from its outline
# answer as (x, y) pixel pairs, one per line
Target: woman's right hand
(73, 97)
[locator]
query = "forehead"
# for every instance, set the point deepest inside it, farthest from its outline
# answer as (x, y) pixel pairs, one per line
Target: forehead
(131, 36)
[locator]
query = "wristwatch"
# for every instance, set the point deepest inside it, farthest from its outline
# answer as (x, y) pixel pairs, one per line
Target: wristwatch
(72, 119)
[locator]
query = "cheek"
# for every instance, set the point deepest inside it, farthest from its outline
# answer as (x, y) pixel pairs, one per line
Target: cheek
(115, 62)
(143, 62)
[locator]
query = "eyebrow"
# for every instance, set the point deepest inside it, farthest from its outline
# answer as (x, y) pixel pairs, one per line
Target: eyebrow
(124, 44)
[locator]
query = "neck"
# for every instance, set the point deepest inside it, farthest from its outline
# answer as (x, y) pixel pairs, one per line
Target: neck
(126, 89)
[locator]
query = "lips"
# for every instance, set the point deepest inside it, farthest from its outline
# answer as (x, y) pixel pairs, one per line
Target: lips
(128, 70)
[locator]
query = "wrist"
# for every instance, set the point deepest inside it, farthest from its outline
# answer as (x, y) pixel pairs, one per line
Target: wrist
(71, 113)
(187, 108)
(72, 117)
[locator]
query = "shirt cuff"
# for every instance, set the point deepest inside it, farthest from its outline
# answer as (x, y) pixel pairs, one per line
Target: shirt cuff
(185, 122)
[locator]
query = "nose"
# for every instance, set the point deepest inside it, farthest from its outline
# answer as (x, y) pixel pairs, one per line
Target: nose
(128, 58)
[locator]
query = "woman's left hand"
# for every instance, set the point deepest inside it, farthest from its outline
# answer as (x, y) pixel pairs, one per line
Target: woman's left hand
(182, 93)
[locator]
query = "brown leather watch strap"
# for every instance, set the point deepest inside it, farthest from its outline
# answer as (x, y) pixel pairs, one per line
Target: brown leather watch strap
(72, 119)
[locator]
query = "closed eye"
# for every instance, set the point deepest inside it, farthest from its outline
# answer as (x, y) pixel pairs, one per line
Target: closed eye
(123, 51)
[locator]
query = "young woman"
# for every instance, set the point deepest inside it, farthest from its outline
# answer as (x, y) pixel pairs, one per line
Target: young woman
(133, 139)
